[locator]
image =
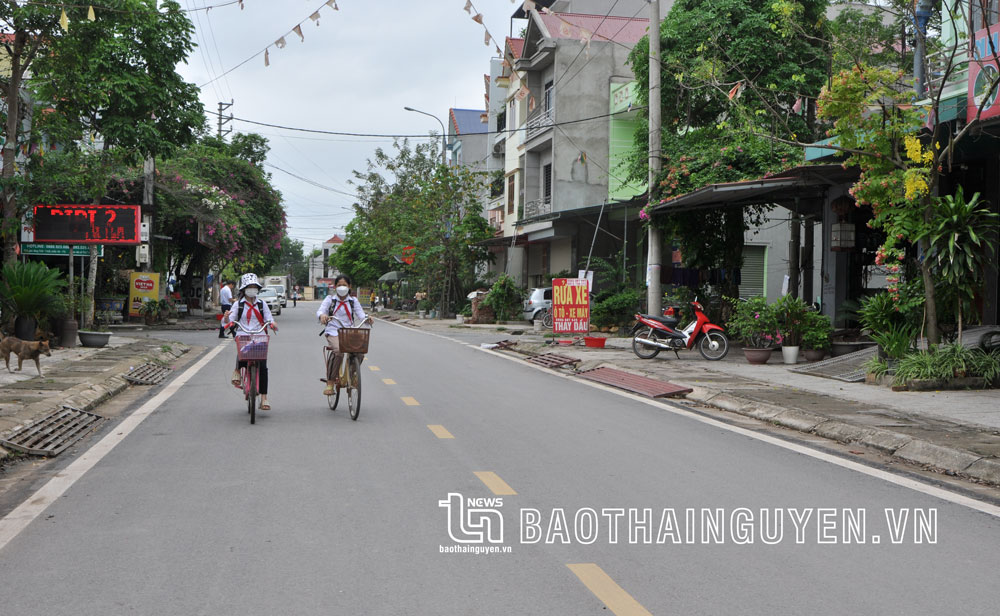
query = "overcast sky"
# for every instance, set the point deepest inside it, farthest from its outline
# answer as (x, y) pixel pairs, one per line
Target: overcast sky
(354, 73)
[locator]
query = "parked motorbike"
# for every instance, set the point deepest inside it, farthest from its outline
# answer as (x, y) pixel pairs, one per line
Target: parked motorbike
(653, 334)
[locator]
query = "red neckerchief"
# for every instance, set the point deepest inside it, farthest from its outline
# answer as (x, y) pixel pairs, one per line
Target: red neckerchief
(347, 309)
(253, 309)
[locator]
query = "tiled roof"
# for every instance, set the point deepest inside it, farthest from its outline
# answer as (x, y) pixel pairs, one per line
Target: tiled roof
(516, 46)
(336, 239)
(618, 29)
(465, 121)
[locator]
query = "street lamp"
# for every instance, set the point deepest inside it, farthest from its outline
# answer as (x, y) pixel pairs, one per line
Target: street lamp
(444, 160)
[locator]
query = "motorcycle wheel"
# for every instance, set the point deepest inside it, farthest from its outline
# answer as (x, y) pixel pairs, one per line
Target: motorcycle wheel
(713, 346)
(643, 351)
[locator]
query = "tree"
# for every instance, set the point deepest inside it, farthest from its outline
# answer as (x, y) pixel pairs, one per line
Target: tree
(358, 256)
(115, 79)
(28, 29)
(292, 261)
(710, 51)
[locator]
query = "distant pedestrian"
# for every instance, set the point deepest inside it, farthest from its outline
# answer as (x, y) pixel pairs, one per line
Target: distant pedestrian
(295, 296)
(371, 300)
(226, 302)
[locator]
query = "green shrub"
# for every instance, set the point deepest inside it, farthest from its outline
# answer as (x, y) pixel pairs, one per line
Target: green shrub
(876, 366)
(616, 309)
(877, 313)
(896, 340)
(30, 289)
(817, 331)
(754, 323)
(791, 314)
(949, 361)
(505, 298)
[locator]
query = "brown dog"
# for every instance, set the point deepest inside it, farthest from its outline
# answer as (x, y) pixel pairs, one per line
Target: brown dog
(23, 350)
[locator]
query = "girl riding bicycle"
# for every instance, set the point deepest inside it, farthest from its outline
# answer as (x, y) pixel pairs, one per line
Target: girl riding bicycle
(338, 310)
(251, 314)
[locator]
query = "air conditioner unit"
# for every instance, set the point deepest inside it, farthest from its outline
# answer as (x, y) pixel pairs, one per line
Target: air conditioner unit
(142, 253)
(498, 149)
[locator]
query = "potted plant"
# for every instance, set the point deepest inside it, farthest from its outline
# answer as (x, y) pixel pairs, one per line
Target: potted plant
(755, 324)
(791, 314)
(150, 310)
(62, 313)
(96, 337)
(28, 290)
(816, 335)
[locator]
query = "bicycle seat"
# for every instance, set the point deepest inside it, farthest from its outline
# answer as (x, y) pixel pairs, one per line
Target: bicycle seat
(330, 348)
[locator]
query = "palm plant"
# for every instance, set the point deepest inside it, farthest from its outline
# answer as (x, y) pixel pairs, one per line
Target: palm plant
(962, 242)
(29, 289)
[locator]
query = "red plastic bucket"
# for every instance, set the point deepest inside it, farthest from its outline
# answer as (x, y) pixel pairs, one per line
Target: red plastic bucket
(594, 342)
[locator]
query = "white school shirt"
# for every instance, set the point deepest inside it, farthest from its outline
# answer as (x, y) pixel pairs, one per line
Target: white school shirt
(226, 296)
(340, 310)
(249, 319)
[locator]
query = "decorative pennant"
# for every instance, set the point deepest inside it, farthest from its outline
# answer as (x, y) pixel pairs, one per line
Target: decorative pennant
(468, 6)
(241, 6)
(546, 10)
(478, 18)
(332, 4)
(586, 36)
(564, 29)
(531, 103)
(267, 58)
(315, 17)
(522, 92)
(487, 38)
(64, 21)
(528, 6)
(298, 30)
(797, 107)
(90, 13)
(735, 92)
(280, 43)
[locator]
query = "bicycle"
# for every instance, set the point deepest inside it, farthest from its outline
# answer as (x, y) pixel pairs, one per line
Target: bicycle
(545, 316)
(252, 349)
(353, 342)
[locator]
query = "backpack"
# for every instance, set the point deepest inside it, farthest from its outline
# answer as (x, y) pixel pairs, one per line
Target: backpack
(352, 306)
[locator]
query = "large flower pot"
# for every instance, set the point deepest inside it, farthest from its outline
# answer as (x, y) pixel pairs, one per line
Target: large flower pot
(67, 333)
(757, 356)
(24, 328)
(790, 354)
(814, 354)
(93, 339)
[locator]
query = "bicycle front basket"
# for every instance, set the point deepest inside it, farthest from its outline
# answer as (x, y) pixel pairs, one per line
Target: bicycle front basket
(253, 347)
(353, 339)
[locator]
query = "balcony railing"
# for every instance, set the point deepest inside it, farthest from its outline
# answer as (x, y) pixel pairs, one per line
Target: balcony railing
(540, 122)
(538, 207)
(937, 64)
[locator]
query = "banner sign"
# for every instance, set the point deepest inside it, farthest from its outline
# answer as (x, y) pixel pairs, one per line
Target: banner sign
(983, 73)
(142, 287)
(61, 250)
(87, 224)
(570, 306)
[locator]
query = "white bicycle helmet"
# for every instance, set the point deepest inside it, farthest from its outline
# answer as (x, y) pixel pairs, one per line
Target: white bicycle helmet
(249, 279)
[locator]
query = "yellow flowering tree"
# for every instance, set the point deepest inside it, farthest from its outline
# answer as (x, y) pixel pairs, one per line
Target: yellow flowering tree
(878, 128)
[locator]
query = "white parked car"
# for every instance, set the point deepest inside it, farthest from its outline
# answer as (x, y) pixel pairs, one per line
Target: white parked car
(538, 300)
(268, 295)
(280, 291)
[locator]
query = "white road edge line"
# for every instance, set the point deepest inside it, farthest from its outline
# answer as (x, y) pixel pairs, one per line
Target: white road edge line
(18, 519)
(906, 482)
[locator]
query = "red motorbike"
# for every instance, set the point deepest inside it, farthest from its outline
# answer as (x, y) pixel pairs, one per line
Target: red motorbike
(653, 334)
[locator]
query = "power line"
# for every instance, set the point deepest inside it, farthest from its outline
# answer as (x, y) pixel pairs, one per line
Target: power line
(312, 182)
(422, 136)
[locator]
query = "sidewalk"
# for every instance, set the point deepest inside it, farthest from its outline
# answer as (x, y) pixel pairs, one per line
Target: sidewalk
(81, 378)
(952, 431)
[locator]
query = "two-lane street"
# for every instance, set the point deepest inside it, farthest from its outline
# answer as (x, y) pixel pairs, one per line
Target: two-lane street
(199, 512)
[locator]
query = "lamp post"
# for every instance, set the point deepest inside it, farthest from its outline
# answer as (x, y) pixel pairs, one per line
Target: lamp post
(444, 160)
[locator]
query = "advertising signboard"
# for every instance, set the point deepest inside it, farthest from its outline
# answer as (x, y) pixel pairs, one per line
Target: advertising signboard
(142, 287)
(570, 306)
(87, 224)
(57, 250)
(983, 74)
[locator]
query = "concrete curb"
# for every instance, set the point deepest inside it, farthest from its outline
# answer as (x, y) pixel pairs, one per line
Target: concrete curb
(89, 395)
(907, 448)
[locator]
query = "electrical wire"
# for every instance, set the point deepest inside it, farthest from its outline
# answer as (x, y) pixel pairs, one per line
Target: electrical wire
(311, 182)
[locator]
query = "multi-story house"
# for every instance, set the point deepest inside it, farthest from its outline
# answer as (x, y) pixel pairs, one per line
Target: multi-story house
(468, 138)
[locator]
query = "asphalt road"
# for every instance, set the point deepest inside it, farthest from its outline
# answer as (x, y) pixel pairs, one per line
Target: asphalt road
(306, 512)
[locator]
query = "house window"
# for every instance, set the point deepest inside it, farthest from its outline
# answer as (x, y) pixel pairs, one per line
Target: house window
(501, 121)
(753, 274)
(547, 183)
(510, 194)
(977, 10)
(547, 99)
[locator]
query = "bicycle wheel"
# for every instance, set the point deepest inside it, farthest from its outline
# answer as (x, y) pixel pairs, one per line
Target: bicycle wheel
(547, 319)
(354, 386)
(252, 397)
(334, 398)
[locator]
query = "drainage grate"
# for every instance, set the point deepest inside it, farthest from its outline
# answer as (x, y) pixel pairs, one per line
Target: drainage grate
(147, 374)
(505, 344)
(52, 434)
(552, 360)
(634, 383)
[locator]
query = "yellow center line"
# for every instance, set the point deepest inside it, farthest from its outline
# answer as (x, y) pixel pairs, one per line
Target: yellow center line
(607, 590)
(440, 431)
(374, 368)
(494, 483)
(410, 401)
(388, 381)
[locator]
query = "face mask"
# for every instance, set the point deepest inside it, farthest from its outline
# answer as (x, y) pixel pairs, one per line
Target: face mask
(343, 291)
(251, 292)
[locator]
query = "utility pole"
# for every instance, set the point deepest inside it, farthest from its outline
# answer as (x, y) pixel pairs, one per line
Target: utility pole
(654, 297)
(224, 120)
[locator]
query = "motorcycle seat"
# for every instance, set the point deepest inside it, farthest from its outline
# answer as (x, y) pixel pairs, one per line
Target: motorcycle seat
(668, 321)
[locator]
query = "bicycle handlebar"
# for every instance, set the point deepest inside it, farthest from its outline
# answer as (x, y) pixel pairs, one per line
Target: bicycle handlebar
(257, 331)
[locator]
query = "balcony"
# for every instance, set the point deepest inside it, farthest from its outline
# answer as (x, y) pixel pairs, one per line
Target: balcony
(937, 64)
(538, 207)
(540, 122)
